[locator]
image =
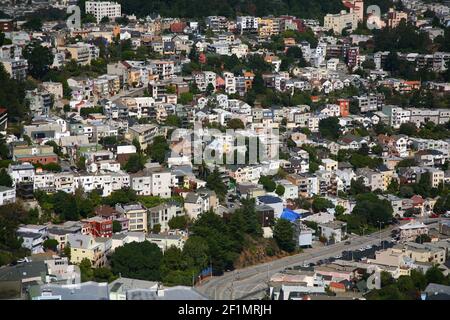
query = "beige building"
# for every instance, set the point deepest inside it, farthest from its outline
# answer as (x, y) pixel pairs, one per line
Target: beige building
(144, 133)
(410, 252)
(54, 88)
(436, 177)
(410, 231)
(340, 21)
(394, 17)
(78, 53)
(137, 215)
(88, 247)
(330, 164)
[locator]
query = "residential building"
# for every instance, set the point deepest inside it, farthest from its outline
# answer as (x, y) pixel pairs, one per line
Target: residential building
(136, 214)
(89, 247)
(101, 9)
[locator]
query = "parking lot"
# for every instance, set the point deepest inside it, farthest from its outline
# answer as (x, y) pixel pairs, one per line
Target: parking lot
(355, 255)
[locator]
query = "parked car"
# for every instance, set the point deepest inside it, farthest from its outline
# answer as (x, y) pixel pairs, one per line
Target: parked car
(347, 242)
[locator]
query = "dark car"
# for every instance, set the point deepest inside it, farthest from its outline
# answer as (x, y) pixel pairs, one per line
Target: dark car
(347, 242)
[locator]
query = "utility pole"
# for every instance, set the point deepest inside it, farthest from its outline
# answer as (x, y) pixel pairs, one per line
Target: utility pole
(232, 290)
(210, 266)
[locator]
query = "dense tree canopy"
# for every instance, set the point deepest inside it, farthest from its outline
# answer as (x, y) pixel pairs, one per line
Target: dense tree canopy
(231, 8)
(283, 233)
(329, 128)
(139, 260)
(39, 59)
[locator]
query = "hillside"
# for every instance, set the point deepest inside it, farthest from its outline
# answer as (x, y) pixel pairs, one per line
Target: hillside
(230, 8)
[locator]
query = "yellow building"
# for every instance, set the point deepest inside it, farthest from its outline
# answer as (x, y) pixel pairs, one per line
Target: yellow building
(88, 247)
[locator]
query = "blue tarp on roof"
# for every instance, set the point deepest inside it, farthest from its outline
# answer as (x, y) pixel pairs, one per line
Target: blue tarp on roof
(290, 215)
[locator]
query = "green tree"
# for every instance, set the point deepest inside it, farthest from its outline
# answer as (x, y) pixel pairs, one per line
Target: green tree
(268, 184)
(51, 244)
(81, 163)
(210, 89)
(393, 186)
(423, 238)
(5, 179)
(103, 274)
(67, 251)
(88, 18)
(195, 251)
(372, 210)
(172, 260)
(280, 190)
(321, 204)
(158, 149)
(408, 129)
(56, 148)
(178, 222)
(186, 98)
(117, 227)
(419, 279)
(222, 250)
(173, 121)
(104, 20)
(87, 274)
(137, 145)
(235, 124)
(435, 275)
(34, 23)
(330, 128)
(122, 196)
(215, 183)
(156, 228)
(139, 260)
(283, 233)
(135, 163)
(39, 59)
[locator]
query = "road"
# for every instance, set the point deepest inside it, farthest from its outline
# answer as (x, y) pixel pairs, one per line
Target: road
(242, 283)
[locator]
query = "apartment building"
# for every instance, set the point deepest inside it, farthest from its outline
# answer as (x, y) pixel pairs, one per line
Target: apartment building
(88, 247)
(410, 231)
(340, 21)
(370, 102)
(372, 179)
(144, 133)
(17, 68)
(395, 17)
(163, 213)
(155, 181)
(100, 10)
(247, 24)
(136, 214)
(7, 195)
